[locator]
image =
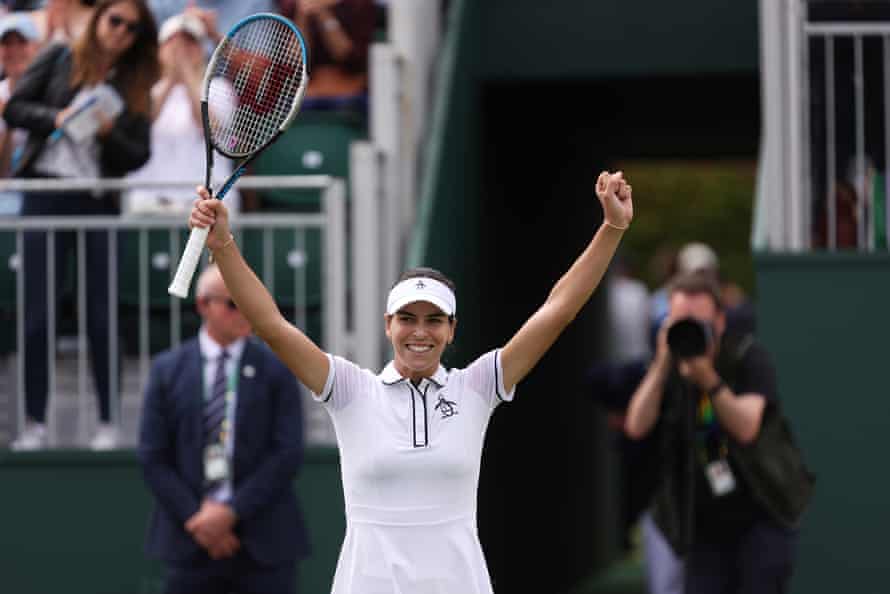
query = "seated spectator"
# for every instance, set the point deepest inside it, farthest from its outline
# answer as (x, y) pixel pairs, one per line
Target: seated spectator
(846, 221)
(338, 33)
(177, 134)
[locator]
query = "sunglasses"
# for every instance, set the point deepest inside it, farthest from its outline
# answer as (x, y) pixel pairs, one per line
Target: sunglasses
(228, 301)
(116, 21)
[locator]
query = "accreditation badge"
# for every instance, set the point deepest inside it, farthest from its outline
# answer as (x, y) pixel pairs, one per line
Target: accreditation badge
(720, 477)
(216, 465)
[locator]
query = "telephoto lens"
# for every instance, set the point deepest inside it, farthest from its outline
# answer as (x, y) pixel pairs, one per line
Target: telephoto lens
(689, 337)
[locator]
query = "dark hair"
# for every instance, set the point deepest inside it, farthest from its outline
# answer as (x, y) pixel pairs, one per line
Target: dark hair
(138, 67)
(698, 283)
(428, 273)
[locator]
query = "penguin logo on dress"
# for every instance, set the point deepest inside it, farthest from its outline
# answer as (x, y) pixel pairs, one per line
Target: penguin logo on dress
(448, 408)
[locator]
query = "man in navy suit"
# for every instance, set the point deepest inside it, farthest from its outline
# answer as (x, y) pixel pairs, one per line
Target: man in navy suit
(220, 445)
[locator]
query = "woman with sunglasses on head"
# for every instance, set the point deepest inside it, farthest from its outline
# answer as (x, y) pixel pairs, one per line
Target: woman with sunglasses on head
(87, 110)
(411, 437)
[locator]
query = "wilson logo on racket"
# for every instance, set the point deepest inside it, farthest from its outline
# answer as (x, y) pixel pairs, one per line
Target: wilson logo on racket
(264, 85)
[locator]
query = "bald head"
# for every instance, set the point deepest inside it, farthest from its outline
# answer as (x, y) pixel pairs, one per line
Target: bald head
(211, 282)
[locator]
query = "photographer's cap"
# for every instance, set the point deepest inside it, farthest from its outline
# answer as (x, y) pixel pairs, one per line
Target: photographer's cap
(21, 23)
(421, 288)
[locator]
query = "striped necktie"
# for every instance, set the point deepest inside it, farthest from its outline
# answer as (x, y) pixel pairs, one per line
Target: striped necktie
(215, 408)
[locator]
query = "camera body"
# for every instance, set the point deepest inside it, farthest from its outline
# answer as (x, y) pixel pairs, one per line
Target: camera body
(689, 337)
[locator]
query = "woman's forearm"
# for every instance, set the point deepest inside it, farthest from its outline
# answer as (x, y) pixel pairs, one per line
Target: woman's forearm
(575, 287)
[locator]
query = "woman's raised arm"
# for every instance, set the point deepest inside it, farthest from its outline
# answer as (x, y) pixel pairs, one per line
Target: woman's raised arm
(304, 358)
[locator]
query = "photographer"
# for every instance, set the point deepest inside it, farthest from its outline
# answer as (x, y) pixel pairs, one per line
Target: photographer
(733, 482)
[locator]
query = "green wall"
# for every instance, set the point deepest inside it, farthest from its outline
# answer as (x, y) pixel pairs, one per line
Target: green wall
(524, 39)
(826, 320)
(74, 522)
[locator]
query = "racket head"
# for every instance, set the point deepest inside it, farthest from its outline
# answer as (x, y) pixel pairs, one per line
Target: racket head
(254, 84)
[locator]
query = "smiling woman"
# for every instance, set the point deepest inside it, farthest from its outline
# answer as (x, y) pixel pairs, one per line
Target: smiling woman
(411, 437)
(420, 321)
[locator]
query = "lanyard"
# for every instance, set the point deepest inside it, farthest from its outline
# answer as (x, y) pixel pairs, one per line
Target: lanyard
(708, 435)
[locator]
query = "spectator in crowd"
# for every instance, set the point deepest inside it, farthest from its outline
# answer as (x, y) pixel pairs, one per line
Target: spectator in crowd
(339, 33)
(19, 40)
(733, 483)
(628, 306)
(115, 63)
(846, 219)
(62, 21)
(177, 134)
(231, 523)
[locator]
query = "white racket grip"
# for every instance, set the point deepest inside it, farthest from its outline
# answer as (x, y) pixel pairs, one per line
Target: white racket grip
(189, 262)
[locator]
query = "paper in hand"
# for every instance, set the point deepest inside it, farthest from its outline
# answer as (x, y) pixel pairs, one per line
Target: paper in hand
(100, 104)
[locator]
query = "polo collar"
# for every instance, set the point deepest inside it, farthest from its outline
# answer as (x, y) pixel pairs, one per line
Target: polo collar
(390, 375)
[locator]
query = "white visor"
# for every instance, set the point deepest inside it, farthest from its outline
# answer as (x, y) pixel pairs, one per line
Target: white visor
(421, 289)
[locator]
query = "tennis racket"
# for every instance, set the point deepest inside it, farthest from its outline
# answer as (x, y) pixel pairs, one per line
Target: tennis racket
(252, 90)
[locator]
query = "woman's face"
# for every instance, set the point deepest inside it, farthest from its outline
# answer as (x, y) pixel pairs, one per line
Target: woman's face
(16, 53)
(419, 333)
(118, 28)
(181, 48)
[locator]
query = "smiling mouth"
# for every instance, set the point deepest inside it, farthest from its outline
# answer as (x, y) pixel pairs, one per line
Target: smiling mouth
(417, 348)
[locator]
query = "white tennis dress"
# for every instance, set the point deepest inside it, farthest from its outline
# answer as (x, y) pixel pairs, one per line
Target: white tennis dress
(410, 460)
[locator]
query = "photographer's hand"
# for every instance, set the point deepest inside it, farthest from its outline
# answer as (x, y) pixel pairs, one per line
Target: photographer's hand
(700, 371)
(662, 350)
(740, 415)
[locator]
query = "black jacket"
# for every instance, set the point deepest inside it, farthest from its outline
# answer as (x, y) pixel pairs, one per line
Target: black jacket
(44, 90)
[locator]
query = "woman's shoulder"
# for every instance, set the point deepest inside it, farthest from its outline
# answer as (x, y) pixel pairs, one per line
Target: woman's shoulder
(52, 54)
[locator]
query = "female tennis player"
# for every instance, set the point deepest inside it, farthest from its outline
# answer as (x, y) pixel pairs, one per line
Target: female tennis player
(411, 437)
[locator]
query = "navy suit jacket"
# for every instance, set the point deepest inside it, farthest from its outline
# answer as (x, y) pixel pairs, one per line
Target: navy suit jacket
(267, 455)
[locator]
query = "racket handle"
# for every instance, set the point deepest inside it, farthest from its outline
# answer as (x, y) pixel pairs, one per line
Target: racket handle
(189, 262)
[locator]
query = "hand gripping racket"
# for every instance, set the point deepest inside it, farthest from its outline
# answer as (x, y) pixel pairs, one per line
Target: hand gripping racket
(252, 90)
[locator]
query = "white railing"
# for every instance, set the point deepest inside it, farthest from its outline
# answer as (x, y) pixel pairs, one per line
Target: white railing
(800, 168)
(330, 222)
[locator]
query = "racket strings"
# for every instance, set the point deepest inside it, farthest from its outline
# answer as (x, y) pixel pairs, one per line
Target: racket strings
(255, 80)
